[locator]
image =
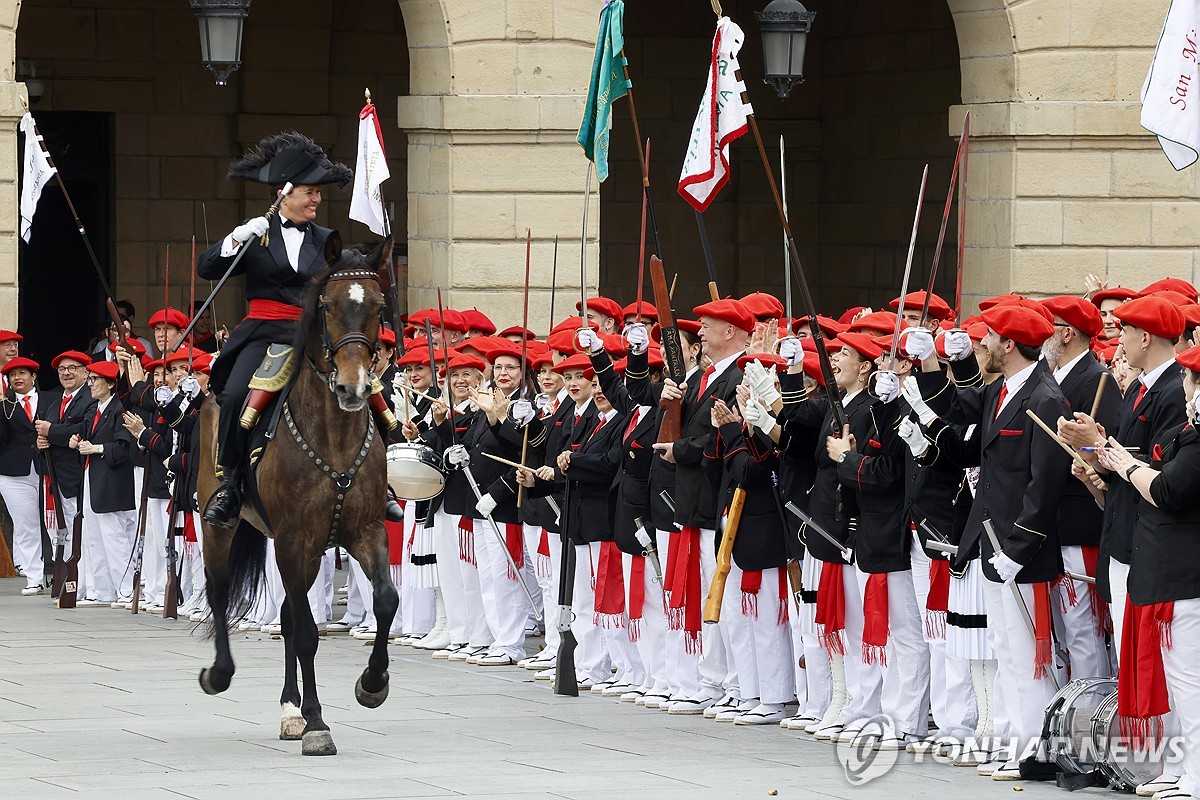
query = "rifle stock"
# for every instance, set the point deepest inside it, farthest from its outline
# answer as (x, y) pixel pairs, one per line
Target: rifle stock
(70, 587)
(60, 522)
(566, 682)
(140, 545)
(716, 590)
(171, 596)
(672, 350)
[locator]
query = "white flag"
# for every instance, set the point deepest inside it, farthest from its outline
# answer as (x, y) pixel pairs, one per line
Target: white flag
(371, 170)
(36, 172)
(722, 118)
(1171, 94)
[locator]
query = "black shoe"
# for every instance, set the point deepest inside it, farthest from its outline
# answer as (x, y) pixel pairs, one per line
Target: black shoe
(224, 505)
(393, 512)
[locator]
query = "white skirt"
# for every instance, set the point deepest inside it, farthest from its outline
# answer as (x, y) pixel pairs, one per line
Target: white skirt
(422, 557)
(966, 620)
(810, 579)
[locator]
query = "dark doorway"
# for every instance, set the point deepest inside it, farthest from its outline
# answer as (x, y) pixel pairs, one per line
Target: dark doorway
(61, 303)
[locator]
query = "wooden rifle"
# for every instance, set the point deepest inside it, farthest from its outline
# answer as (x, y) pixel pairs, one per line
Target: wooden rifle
(566, 682)
(140, 546)
(60, 540)
(67, 596)
(171, 597)
(671, 426)
(716, 590)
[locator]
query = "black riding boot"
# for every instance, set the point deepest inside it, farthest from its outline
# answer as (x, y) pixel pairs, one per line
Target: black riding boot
(226, 502)
(393, 512)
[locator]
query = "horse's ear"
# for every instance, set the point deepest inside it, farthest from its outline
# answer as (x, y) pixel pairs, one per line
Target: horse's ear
(381, 256)
(333, 247)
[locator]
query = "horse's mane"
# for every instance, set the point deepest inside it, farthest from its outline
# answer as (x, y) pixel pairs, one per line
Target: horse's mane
(357, 258)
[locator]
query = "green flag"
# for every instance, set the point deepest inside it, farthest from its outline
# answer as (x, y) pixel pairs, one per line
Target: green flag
(608, 85)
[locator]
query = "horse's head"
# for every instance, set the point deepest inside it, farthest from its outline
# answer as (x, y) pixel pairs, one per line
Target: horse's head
(348, 312)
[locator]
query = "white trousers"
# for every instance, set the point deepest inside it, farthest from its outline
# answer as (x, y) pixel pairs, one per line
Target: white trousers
(951, 691)
(1074, 623)
(760, 644)
(504, 603)
(320, 594)
(1023, 697)
(905, 694)
(479, 634)
(620, 648)
(648, 634)
(864, 682)
(591, 659)
(418, 605)
(1118, 586)
(360, 595)
(445, 544)
(154, 552)
(682, 667)
(108, 539)
(21, 498)
(817, 673)
(1182, 666)
(717, 673)
(545, 570)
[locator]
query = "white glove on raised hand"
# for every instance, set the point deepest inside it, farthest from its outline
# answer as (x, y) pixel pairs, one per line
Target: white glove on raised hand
(485, 506)
(1005, 567)
(757, 416)
(910, 432)
(190, 386)
(887, 386)
(250, 229)
(954, 344)
(637, 337)
(163, 395)
(588, 341)
(457, 456)
(916, 344)
(522, 412)
(791, 351)
(912, 393)
(761, 382)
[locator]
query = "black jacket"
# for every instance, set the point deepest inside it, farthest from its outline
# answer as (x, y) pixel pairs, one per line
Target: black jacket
(18, 437)
(1166, 562)
(110, 474)
(68, 466)
(1079, 518)
(697, 476)
(752, 464)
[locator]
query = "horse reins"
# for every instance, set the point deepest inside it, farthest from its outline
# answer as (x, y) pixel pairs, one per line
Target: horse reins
(353, 337)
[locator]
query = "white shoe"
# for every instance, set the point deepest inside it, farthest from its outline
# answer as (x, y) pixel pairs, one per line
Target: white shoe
(654, 700)
(31, 591)
(1008, 771)
(446, 652)
(762, 714)
(797, 723)
(1173, 793)
(898, 741)
(691, 705)
(275, 629)
(727, 702)
(988, 767)
(364, 634)
(495, 660)
(544, 675)
(200, 615)
(827, 733)
(730, 713)
(1159, 784)
(343, 625)
(632, 696)
(585, 683)
(466, 652)
(617, 689)
(598, 687)
(123, 604)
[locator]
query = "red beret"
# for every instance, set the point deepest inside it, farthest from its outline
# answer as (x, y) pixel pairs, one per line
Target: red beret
(938, 308)
(137, 347)
(18, 363)
(74, 355)
(998, 300)
(387, 336)
(170, 316)
(1191, 315)
(692, 326)
(409, 343)
(727, 310)
(812, 368)
(614, 344)
(1021, 324)
(569, 324)
(1190, 358)
(577, 361)
(466, 361)
(179, 355)
(1155, 315)
(418, 356)
(828, 325)
(861, 343)
(105, 369)
(654, 359)
(479, 344)
(539, 361)
(1076, 311)
(768, 360)
(1115, 293)
(649, 311)
(150, 364)
(536, 348)
(517, 330)
(1172, 285)
(763, 305)
(478, 321)
(10, 336)
(884, 321)
(609, 308)
(511, 351)
(451, 320)
(1171, 296)
(849, 314)
(977, 330)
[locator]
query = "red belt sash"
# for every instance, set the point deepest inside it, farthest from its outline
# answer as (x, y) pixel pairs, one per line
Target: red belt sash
(273, 310)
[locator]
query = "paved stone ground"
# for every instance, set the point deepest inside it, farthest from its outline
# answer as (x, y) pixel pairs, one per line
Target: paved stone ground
(98, 704)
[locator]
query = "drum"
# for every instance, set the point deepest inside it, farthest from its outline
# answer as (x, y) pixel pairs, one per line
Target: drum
(414, 471)
(1126, 767)
(1068, 725)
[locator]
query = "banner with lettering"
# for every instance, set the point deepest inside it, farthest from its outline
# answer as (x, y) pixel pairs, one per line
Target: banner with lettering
(1171, 94)
(723, 116)
(36, 172)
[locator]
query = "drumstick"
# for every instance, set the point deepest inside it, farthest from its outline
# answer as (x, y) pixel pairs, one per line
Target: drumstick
(1070, 450)
(1099, 394)
(505, 461)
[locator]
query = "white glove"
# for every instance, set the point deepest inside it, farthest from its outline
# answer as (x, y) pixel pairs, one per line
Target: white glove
(522, 412)
(956, 344)
(457, 456)
(757, 416)
(1195, 407)
(887, 386)
(916, 344)
(636, 336)
(762, 382)
(1005, 567)
(250, 229)
(588, 341)
(791, 351)
(912, 393)
(910, 432)
(190, 386)
(485, 506)
(163, 395)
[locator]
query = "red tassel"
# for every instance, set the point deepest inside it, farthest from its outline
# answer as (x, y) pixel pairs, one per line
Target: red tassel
(935, 624)
(751, 586)
(515, 542)
(544, 567)
(466, 541)
(875, 620)
(781, 616)
(1043, 652)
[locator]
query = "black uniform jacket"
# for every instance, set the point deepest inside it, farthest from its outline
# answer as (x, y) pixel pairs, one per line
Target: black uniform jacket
(457, 497)
(110, 474)
(595, 458)
(1079, 518)
(18, 437)
(752, 464)
(68, 466)
(875, 472)
(1166, 562)
(184, 418)
(503, 439)
(698, 476)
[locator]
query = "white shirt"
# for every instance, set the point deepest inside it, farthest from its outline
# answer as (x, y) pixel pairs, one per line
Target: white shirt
(721, 366)
(293, 239)
(1062, 372)
(1148, 378)
(32, 395)
(1014, 384)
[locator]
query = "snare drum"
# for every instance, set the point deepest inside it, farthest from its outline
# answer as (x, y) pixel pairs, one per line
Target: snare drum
(1126, 767)
(414, 471)
(1068, 725)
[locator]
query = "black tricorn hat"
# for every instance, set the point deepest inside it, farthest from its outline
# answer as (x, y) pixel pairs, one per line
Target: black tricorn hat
(289, 157)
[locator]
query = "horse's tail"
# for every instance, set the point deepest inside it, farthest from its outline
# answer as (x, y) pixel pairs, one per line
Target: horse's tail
(246, 567)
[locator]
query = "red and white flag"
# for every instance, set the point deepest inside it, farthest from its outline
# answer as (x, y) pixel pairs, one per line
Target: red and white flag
(1171, 94)
(370, 171)
(722, 117)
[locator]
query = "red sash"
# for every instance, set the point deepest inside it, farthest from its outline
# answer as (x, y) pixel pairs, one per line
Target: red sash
(875, 620)
(683, 586)
(1142, 697)
(831, 608)
(937, 604)
(273, 310)
(637, 596)
(609, 608)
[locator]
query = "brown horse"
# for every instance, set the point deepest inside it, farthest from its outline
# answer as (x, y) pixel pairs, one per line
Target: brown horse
(323, 480)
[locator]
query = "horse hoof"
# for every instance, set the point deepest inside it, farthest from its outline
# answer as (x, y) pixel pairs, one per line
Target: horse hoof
(370, 699)
(210, 683)
(318, 743)
(291, 729)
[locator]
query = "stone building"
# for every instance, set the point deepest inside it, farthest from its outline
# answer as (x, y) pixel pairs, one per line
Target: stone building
(481, 102)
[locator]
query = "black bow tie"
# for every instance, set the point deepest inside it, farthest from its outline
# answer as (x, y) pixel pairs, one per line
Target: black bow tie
(300, 226)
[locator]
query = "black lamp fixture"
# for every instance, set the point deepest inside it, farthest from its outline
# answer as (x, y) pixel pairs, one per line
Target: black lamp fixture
(785, 25)
(221, 25)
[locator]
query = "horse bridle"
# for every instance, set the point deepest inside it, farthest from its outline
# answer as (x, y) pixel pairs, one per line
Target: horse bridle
(330, 349)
